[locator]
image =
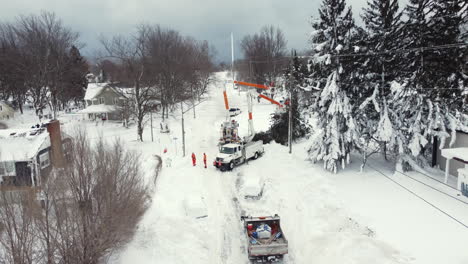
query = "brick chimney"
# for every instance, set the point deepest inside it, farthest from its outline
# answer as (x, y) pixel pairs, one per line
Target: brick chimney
(57, 157)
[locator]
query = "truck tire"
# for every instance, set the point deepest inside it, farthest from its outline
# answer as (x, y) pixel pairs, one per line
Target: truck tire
(231, 165)
(255, 156)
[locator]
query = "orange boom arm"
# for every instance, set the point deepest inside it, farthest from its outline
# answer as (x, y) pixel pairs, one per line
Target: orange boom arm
(226, 103)
(269, 99)
(261, 86)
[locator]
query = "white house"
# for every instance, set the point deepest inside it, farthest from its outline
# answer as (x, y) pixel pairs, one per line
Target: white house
(103, 102)
(6, 112)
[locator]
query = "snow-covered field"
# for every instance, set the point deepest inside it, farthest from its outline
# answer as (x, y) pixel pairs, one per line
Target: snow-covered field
(349, 217)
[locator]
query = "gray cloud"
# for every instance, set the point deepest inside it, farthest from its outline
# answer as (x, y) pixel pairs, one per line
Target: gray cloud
(212, 20)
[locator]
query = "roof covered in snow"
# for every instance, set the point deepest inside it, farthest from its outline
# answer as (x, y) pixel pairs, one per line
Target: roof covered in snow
(22, 144)
(100, 108)
(95, 89)
(459, 153)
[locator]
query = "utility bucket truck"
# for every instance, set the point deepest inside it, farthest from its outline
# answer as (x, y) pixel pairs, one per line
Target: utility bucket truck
(234, 154)
(233, 150)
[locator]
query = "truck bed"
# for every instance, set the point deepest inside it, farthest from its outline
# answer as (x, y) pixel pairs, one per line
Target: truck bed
(268, 246)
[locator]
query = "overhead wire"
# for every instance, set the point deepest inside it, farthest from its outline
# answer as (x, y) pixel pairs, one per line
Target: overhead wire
(421, 198)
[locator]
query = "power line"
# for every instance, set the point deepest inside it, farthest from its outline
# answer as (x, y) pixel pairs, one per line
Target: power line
(425, 184)
(403, 50)
(421, 198)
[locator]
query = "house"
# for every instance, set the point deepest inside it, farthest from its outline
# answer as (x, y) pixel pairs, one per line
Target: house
(27, 155)
(6, 111)
(103, 102)
(452, 159)
(461, 141)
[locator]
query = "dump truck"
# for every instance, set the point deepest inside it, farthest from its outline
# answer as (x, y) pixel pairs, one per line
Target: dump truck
(266, 240)
(234, 154)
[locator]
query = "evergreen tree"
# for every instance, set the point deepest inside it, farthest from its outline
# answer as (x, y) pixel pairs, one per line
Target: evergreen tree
(427, 101)
(296, 81)
(436, 23)
(383, 23)
(336, 131)
(446, 65)
(331, 36)
(74, 80)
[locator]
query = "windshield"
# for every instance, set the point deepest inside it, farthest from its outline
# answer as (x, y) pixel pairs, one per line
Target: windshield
(227, 150)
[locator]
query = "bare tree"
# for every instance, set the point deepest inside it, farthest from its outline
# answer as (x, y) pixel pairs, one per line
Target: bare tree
(17, 236)
(264, 52)
(131, 52)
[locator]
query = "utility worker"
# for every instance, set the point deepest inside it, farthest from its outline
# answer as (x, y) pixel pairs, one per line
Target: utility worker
(194, 159)
(204, 159)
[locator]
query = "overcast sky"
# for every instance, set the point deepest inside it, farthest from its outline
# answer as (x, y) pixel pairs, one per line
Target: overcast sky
(211, 20)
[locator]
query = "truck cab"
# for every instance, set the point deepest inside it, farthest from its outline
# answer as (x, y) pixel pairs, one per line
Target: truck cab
(228, 156)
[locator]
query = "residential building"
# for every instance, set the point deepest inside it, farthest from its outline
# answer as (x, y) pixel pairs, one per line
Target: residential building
(6, 111)
(103, 102)
(27, 155)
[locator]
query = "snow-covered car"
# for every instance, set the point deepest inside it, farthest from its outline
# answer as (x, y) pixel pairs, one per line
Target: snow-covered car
(253, 187)
(234, 111)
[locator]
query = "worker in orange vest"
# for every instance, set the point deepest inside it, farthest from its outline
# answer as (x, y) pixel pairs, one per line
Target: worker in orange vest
(204, 159)
(194, 159)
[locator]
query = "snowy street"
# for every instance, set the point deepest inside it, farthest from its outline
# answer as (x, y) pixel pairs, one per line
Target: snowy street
(350, 217)
(188, 132)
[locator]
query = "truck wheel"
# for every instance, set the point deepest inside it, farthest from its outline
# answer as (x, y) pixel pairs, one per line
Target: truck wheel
(256, 156)
(231, 165)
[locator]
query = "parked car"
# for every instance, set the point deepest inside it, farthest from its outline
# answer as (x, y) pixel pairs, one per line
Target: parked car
(234, 111)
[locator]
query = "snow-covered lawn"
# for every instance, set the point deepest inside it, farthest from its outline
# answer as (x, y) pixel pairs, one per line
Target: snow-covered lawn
(349, 217)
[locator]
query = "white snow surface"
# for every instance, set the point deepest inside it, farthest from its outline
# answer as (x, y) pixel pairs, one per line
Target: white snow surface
(348, 217)
(100, 108)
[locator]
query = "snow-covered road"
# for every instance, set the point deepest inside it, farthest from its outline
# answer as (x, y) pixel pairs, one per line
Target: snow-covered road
(318, 229)
(349, 217)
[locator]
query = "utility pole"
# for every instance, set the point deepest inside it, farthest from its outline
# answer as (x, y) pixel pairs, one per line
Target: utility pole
(151, 123)
(291, 87)
(193, 102)
(290, 122)
(183, 128)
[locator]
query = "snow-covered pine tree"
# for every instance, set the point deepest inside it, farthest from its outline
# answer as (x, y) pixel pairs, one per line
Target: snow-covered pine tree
(433, 79)
(446, 65)
(436, 23)
(296, 83)
(336, 132)
(383, 23)
(382, 19)
(335, 129)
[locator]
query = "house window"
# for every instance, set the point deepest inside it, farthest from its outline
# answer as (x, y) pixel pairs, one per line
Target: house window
(89, 102)
(1, 109)
(101, 100)
(44, 160)
(116, 101)
(7, 168)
